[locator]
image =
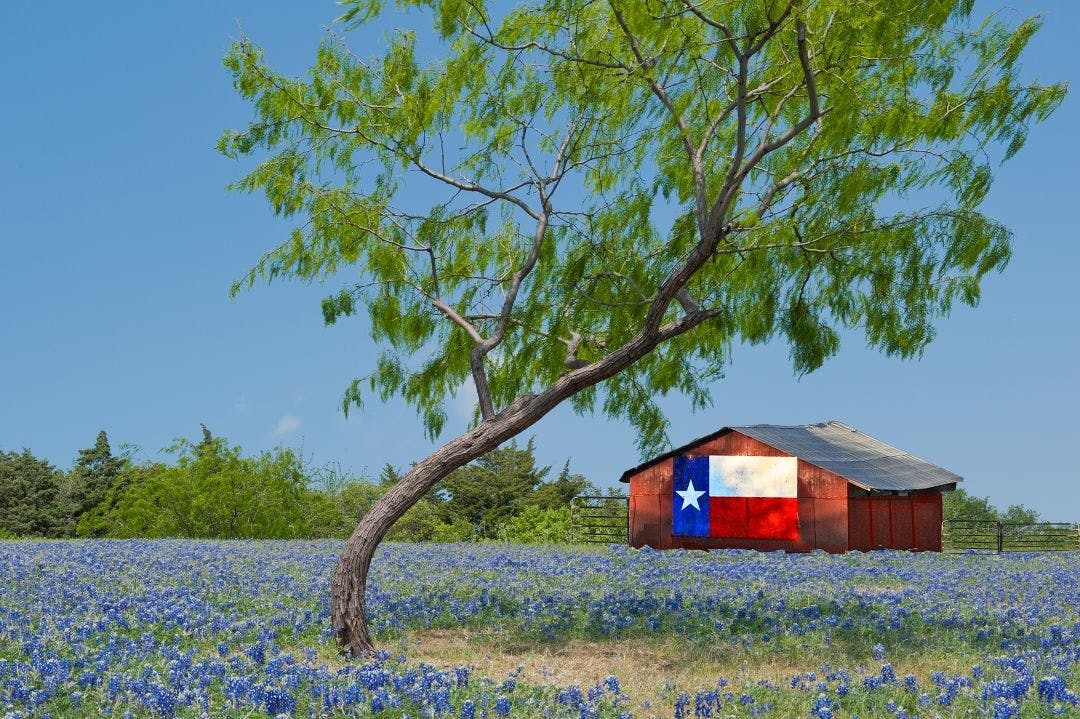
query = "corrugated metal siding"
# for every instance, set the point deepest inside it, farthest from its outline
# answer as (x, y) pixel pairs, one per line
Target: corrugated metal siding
(902, 515)
(859, 524)
(927, 513)
(895, 522)
(646, 517)
(830, 524)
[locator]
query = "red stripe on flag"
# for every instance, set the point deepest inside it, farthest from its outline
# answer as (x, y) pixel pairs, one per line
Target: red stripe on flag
(728, 517)
(773, 518)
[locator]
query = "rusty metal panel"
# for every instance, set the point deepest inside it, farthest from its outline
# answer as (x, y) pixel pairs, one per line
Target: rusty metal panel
(859, 524)
(652, 480)
(903, 523)
(665, 518)
(831, 524)
(880, 523)
(736, 444)
(645, 520)
(647, 517)
(927, 511)
(807, 524)
(817, 482)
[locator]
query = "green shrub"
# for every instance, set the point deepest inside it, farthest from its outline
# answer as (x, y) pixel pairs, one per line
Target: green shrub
(214, 492)
(533, 525)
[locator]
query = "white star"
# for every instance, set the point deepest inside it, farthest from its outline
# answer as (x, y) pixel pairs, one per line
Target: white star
(690, 496)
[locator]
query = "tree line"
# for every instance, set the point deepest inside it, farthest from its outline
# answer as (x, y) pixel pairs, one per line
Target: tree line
(961, 504)
(211, 489)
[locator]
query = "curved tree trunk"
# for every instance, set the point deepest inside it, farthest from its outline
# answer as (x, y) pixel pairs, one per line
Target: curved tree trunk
(347, 611)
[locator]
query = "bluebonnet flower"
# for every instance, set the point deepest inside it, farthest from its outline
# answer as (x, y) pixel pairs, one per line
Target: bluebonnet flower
(238, 628)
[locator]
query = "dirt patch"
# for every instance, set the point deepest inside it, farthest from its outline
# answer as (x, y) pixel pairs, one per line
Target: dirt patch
(642, 666)
(650, 670)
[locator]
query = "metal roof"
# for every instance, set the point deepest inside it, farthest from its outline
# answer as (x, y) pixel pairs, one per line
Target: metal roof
(859, 458)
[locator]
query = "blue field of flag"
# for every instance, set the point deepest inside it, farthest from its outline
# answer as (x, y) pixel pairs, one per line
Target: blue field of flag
(690, 503)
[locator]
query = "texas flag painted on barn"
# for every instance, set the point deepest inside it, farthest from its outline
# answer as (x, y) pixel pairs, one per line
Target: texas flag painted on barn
(736, 497)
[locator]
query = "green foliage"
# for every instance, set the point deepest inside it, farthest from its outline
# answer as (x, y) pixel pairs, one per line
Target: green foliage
(29, 488)
(98, 521)
(1019, 514)
(352, 501)
(557, 493)
(606, 143)
(421, 524)
(214, 492)
(89, 481)
(494, 487)
(502, 495)
(961, 504)
(535, 525)
(427, 521)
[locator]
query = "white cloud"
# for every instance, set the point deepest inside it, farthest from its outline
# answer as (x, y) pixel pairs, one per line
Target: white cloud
(285, 425)
(240, 404)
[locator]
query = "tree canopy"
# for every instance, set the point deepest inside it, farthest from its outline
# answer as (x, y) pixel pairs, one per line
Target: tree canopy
(89, 481)
(529, 196)
(28, 496)
(214, 491)
(961, 504)
(494, 487)
(593, 202)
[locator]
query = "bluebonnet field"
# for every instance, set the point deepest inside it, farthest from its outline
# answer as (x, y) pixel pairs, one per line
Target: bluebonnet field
(239, 629)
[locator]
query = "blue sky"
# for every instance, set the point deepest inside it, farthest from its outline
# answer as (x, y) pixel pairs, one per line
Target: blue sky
(118, 243)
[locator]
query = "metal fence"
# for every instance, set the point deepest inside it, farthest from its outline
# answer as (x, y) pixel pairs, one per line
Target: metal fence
(599, 519)
(961, 534)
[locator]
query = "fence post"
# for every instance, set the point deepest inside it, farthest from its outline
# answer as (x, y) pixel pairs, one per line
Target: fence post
(1000, 537)
(573, 526)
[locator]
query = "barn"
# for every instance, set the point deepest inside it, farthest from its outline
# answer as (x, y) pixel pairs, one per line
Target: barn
(794, 488)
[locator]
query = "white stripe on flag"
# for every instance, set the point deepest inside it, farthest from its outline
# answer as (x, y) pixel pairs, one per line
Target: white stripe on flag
(753, 476)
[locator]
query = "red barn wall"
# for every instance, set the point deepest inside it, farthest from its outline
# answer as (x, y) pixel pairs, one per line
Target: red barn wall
(894, 522)
(823, 504)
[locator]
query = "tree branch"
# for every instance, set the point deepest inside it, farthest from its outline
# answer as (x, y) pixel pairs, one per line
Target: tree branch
(572, 361)
(658, 90)
(808, 72)
(766, 146)
(519, 277)
(458, 320)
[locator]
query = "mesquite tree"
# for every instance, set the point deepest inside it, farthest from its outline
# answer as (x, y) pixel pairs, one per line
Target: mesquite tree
(590, 201)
